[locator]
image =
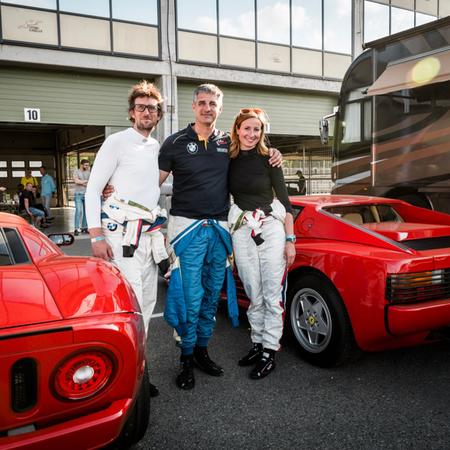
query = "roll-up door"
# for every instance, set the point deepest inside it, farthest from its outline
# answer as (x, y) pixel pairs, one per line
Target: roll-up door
(64, 97)
(289, 112)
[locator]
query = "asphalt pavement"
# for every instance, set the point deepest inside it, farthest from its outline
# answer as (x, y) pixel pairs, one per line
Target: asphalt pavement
(390, 400)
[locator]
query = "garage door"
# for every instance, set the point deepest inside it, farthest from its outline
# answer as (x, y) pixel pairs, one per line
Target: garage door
(64, 97)
(289, 112)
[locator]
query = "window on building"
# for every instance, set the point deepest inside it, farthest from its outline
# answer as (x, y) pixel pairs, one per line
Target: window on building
(423, 18)
(35, 163)
(237, 18)
(429, 7)
(405, 4)
(99, 8)
(338, 26)
(47, 4)
(376, 21)
(17, 163)
(307, 23)
(3, 174)
(274, 21)
(401, 19)
(200, 15)
(134, 11)
(3, 164)
(444, 8)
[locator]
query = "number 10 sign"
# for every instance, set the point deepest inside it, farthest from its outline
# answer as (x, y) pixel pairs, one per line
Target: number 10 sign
(32, 114)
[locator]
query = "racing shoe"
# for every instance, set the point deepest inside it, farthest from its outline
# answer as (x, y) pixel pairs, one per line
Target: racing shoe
(185, 379)
(204, 362)
(264, 366)
(253, 356)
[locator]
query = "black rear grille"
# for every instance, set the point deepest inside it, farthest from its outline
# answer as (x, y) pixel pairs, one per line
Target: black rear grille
(428, 243)
(418, 286)
(23, 385)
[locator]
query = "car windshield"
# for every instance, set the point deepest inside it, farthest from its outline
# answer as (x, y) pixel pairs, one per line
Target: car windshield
(361, 214)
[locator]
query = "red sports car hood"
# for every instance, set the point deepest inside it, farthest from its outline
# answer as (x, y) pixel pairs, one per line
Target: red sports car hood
(24, 297)
(399, 231)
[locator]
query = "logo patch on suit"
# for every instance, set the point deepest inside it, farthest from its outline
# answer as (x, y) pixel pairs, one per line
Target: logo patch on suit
(111, 226)
(192, 148)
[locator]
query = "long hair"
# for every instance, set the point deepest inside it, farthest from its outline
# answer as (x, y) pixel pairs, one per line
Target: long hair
(244, 114)
(145, 89)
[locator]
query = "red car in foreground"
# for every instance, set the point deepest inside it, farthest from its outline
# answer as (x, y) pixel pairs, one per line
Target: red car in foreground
(72, 348)
(370, 274)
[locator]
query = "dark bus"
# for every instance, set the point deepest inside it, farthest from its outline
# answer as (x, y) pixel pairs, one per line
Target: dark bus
(392, 123)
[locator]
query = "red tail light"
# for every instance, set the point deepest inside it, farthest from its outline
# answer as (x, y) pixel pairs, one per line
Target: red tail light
(83, 375)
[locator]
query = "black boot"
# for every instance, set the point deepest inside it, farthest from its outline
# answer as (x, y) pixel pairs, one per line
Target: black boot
(264, 366)
(185, 379)
(205, 363)
(253, 356)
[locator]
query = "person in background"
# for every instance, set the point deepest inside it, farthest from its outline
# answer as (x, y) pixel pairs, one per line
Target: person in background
(38, 204)
(48, 188)
(28, 178)
(263, 236)
(301, 183)
(17, 195)
(28, 204)
(125, 227)
(80, 178)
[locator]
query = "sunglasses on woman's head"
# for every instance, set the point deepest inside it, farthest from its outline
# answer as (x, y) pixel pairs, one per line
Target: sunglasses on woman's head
(250, 110)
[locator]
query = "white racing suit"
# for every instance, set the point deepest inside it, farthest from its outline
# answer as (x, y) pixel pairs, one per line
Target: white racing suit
(131, 229)
(261, 268)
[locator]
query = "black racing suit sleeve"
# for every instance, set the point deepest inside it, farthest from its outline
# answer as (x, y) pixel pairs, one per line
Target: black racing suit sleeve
(279, 186)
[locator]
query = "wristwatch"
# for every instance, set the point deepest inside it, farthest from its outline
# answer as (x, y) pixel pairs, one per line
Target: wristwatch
(291, 238)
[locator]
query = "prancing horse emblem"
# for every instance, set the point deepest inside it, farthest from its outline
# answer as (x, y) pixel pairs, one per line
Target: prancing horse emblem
(192, 148)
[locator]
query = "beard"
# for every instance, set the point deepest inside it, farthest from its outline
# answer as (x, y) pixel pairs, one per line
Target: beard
(145, 125)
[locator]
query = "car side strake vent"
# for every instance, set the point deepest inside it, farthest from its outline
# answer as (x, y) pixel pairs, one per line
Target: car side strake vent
(23, 385)
(418, 286)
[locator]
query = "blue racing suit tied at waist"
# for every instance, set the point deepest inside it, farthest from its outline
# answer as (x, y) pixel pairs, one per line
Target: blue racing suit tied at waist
(132, 220)
(175, 309)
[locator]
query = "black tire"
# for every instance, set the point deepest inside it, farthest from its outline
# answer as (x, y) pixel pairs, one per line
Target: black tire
(136, 425)
(318, 322)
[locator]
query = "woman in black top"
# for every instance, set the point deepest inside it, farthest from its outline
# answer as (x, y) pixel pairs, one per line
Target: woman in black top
(263, 238)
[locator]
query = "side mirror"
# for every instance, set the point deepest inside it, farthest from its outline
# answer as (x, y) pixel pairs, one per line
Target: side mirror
(61, 239)
(323, 128)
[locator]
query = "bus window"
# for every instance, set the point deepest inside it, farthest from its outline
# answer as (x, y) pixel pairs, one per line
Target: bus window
(401, 112)
(367, 120)
(351, 123)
